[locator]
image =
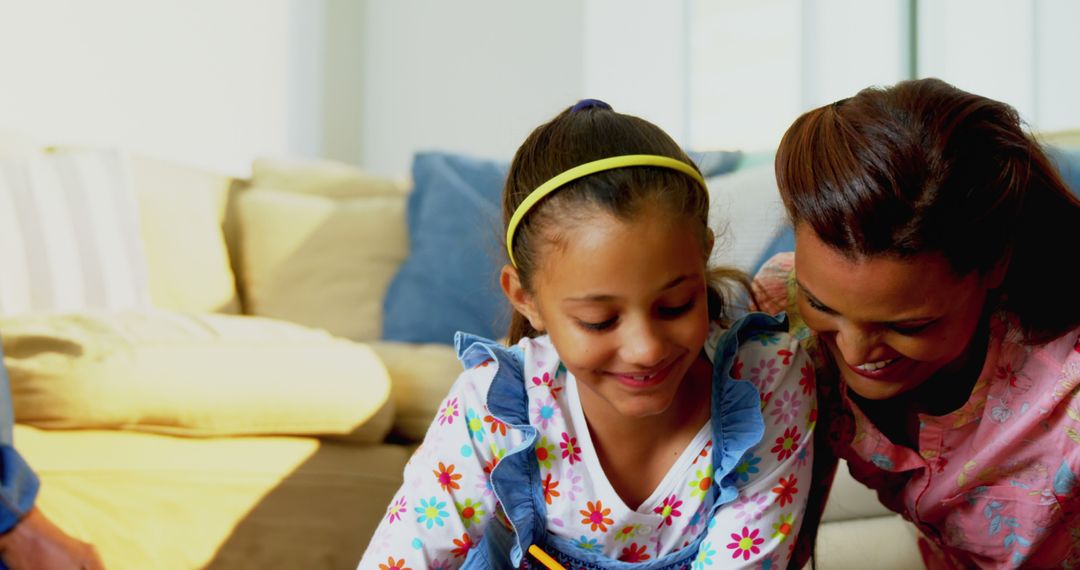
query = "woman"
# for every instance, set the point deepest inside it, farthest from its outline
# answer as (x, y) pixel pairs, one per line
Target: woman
(932, 279)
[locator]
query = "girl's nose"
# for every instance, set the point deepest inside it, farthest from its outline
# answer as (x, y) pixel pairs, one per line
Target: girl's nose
(644, 346)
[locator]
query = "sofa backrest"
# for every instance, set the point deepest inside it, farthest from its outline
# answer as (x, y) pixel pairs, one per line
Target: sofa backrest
(183, 216)
(187, 217)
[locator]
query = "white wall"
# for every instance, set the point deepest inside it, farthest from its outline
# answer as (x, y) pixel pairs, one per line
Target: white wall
(1057, 70)
(207, 82)
(755, 66)
(636, 57)
(1021, 52)
(982, 46)
(473, 76)
(371, 81)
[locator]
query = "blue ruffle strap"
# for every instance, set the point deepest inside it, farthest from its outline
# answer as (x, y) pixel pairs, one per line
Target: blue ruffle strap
(516, 478)
(737, 421)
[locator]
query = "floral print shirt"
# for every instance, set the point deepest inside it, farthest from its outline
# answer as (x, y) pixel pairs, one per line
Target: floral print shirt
(993, 483)
(446, 501)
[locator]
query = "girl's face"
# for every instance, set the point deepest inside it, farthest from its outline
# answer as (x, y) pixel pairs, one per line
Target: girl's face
(890, 324)
(625, 305)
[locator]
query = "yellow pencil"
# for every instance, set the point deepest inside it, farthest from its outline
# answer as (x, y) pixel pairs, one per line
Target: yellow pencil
(544, 559)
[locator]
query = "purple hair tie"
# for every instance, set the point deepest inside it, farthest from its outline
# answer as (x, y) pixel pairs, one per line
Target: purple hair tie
(590, 104)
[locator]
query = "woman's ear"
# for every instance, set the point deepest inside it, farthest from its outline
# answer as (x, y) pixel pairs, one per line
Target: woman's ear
(997, 274)
(521, 300)
(710, 241)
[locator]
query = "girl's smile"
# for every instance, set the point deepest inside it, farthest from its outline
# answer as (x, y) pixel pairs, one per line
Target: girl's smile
(625, 303)
(640, 379)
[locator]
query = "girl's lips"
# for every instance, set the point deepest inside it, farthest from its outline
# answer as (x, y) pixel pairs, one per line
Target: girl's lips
(644, 379)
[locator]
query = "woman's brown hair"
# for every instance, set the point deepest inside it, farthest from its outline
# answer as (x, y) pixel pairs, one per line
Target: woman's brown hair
(924, 167)
(588, 132)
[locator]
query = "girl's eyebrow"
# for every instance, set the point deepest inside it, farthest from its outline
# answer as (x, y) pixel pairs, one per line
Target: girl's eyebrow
(603, 297)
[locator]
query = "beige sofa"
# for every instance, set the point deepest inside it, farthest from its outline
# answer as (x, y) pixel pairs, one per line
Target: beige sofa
(253, 419)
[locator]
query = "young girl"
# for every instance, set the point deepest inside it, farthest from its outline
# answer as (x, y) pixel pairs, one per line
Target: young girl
(624, 425)
(932, 269)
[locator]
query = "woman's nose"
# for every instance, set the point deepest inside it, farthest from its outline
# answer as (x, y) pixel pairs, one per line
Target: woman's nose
(854, 342)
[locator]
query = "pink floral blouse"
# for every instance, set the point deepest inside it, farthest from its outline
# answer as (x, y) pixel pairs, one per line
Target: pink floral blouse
(993, 484)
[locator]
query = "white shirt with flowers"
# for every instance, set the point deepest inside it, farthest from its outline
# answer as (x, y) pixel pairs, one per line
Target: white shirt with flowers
(446, 501)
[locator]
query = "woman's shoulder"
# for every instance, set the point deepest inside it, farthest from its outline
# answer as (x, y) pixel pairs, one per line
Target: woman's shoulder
(1060, 351)
(1065, 348)
(772, 283)
(1056, 361)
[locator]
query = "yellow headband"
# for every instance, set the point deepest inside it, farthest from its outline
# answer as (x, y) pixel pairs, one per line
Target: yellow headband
(585, 170)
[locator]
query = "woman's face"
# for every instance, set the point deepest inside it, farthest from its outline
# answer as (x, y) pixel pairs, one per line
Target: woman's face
(625, 304)
(891, 324)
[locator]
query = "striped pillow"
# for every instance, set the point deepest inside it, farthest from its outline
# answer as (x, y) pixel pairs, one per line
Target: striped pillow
(69, 234)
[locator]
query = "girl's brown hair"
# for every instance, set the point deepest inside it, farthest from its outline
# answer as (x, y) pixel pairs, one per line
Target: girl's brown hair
(583, 134)
(924, 167)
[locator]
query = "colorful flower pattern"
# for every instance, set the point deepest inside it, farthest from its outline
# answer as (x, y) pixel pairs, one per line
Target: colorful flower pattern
(596, 516)
(702, 482)
(746, 543)
(634, 553)
(787, 443)
(545, 452)
(453, 506)
(786, 490)
(669, 510)
(446, 477)
(570, 450)
(471, 512)
(395, 510)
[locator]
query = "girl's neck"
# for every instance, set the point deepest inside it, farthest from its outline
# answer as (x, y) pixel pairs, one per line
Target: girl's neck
(637, 453)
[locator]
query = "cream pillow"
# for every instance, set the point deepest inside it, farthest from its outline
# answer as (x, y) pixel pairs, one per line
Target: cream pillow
(211, 375)
(321, 261)
(182, 210)
(322, 178)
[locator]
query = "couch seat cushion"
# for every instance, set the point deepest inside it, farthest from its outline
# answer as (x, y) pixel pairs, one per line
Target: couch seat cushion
(421, 377)
(163, 502)
(209, 375)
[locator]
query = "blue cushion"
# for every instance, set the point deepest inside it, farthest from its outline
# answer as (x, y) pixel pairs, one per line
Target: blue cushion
(1067, 161)
(449, 282)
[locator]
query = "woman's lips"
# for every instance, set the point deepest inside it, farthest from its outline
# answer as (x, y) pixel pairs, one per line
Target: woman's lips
(878, 370)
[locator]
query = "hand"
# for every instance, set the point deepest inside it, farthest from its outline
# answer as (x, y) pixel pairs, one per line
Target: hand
(36, 543)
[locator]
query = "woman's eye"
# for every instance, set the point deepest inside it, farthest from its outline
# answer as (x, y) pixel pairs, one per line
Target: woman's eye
(601, 326)
(814, 304)
(669, 312)
(911, 330)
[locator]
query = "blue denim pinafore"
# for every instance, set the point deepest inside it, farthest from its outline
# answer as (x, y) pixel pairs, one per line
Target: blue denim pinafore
(736, 422)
